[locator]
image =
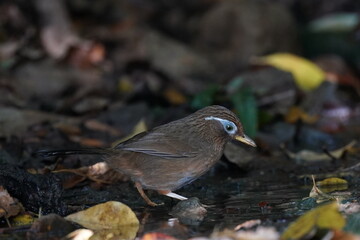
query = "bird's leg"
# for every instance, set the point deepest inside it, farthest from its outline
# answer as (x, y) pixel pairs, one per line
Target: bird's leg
(143, 195)
(172, 195)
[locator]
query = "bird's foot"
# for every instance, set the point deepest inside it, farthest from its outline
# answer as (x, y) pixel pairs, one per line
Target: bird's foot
(153, 204)
(145, 197)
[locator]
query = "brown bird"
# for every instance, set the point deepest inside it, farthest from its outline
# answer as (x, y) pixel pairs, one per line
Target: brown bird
(174, 154)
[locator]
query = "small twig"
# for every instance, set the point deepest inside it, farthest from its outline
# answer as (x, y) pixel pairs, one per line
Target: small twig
(83, 175)
(328, 153)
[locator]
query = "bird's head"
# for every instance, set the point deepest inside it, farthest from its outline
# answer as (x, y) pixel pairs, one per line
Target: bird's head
(224, 124)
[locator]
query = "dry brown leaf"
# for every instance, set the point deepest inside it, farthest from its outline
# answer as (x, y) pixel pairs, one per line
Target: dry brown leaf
(86, 54)
(56, 33)
(248, 224)
(9, 206)
(101, 127)
(319, 195)
(260, 233)
(80, 234)
(68, 129)
(99, 172)
(157, 236)
(88, 142)
(305, 156)
(340, 235)
(295, 113)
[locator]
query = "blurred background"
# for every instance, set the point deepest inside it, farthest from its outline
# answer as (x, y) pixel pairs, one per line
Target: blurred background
(77, 73)
(87, 73)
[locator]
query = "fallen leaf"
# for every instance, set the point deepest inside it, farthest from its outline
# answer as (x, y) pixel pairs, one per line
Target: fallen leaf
(80, 234)
(332, 181)
(260, 233)
(248, 224)
(56, 33)
(99, 172)
(157, 236)
(295, 113)
(88, 142)
(68, 129)
(109, 215)
(174, 96)
(337, 70)
(326, 216)
(319, 195)
(307, 75)
(333, 184)
(139, 128)
(125, 85)
(9, 206)
(102, 127)
(86, 54)
(305, 156)
(341, 235)
(126, 233)
(22, 219)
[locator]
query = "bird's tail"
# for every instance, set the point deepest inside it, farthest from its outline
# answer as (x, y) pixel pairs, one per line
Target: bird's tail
(64, 152)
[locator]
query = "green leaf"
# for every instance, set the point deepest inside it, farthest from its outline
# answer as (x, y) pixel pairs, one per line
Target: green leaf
(234, 85)
(205, 98)
(246, 107)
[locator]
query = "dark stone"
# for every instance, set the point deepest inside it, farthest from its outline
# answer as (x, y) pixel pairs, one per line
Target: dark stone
(34, 191)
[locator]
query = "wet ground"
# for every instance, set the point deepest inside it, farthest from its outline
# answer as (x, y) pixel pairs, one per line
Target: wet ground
(231, 199)
(274, 203)
(232, 195)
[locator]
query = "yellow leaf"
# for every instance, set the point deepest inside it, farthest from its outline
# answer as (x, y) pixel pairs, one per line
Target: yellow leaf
(303, 225)
(333, 184)
(22, 219)
(296, 113)
(319, 195)
(125, 85)
(174, 96)
(109, 215)
(331, 218)
(139, 128)
(307, 75)
(326, 216)
(332, 181)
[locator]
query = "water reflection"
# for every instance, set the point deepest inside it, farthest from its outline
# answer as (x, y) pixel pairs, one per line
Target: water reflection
(273, 203)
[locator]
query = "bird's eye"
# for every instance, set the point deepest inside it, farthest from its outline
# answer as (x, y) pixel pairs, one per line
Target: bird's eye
(229, 127)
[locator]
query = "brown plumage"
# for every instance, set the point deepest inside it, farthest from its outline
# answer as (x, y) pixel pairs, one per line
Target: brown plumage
(174, 154)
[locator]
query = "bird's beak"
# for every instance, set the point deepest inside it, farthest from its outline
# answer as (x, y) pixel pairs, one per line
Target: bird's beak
(245, 139)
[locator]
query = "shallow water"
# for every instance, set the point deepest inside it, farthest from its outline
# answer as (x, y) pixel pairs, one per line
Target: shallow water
(274, 203)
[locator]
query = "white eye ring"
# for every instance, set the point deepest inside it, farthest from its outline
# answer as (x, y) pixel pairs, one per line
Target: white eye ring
(229, 126)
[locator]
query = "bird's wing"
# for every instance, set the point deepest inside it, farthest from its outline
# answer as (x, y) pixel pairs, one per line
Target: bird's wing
(159, 145)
